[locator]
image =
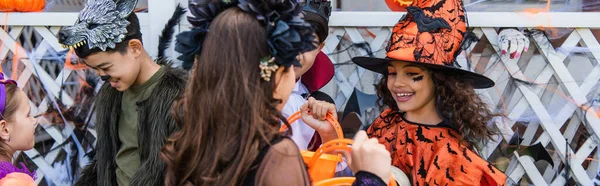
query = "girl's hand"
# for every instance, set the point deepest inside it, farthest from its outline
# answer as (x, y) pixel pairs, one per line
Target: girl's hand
(370, 156)
(314, 113)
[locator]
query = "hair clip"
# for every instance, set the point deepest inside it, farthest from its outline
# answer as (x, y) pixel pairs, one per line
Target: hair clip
(267, 67)
(3, 83)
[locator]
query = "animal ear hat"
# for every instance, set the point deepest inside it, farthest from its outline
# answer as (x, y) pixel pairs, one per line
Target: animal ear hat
(431, 34)
(101, 24)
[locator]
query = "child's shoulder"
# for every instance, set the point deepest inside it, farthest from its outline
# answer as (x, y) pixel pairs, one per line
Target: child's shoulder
(171, 70)
(385, 120)
(388, 116)
(175, 74)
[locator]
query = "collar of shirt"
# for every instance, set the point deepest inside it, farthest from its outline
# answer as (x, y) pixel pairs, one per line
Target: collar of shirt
(299, 88)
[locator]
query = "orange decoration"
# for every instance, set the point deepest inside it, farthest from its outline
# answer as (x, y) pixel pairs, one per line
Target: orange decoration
(22, 5)
(398, 5)
(321, 166)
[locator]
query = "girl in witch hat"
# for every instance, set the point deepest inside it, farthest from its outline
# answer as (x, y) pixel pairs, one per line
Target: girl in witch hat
(433, 119)
(17, 133)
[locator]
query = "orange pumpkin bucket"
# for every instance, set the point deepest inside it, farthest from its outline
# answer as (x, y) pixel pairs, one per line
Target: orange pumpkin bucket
(321, 166)
(326, 176)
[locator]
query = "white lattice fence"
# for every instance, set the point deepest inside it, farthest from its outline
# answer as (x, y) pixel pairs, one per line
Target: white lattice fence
(551, 109)
(32, 55)
(550, 95)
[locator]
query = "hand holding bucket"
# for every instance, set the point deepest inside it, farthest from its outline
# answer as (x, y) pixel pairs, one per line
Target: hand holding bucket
(321, 166)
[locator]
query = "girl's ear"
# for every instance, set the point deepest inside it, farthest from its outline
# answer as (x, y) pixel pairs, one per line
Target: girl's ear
(4, 134)
(322, 45)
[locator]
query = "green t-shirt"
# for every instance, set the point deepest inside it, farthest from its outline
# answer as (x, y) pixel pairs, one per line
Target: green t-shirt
(128, 157)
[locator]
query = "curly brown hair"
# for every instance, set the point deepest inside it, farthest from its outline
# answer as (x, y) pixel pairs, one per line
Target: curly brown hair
(456, 101)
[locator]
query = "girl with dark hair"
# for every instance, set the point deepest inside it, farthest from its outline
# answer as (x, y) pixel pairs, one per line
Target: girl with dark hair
(433, 119)
(239, 83)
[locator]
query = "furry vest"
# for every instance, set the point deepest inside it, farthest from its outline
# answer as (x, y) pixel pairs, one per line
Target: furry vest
(155, 125)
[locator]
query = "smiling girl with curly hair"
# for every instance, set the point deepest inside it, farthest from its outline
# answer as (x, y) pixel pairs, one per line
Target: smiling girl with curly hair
(433, 119)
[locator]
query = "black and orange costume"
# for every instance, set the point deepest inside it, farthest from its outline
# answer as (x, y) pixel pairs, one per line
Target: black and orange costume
(431, 35)
(431, 155)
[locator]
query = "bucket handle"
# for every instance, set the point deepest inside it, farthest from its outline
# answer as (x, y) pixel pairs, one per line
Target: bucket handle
(337, 144)
(298, 115)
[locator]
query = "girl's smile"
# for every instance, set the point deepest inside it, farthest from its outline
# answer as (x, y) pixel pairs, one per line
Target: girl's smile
(411, 86)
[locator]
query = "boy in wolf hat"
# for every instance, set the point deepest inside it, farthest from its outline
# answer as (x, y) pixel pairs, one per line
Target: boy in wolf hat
(133, 106)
